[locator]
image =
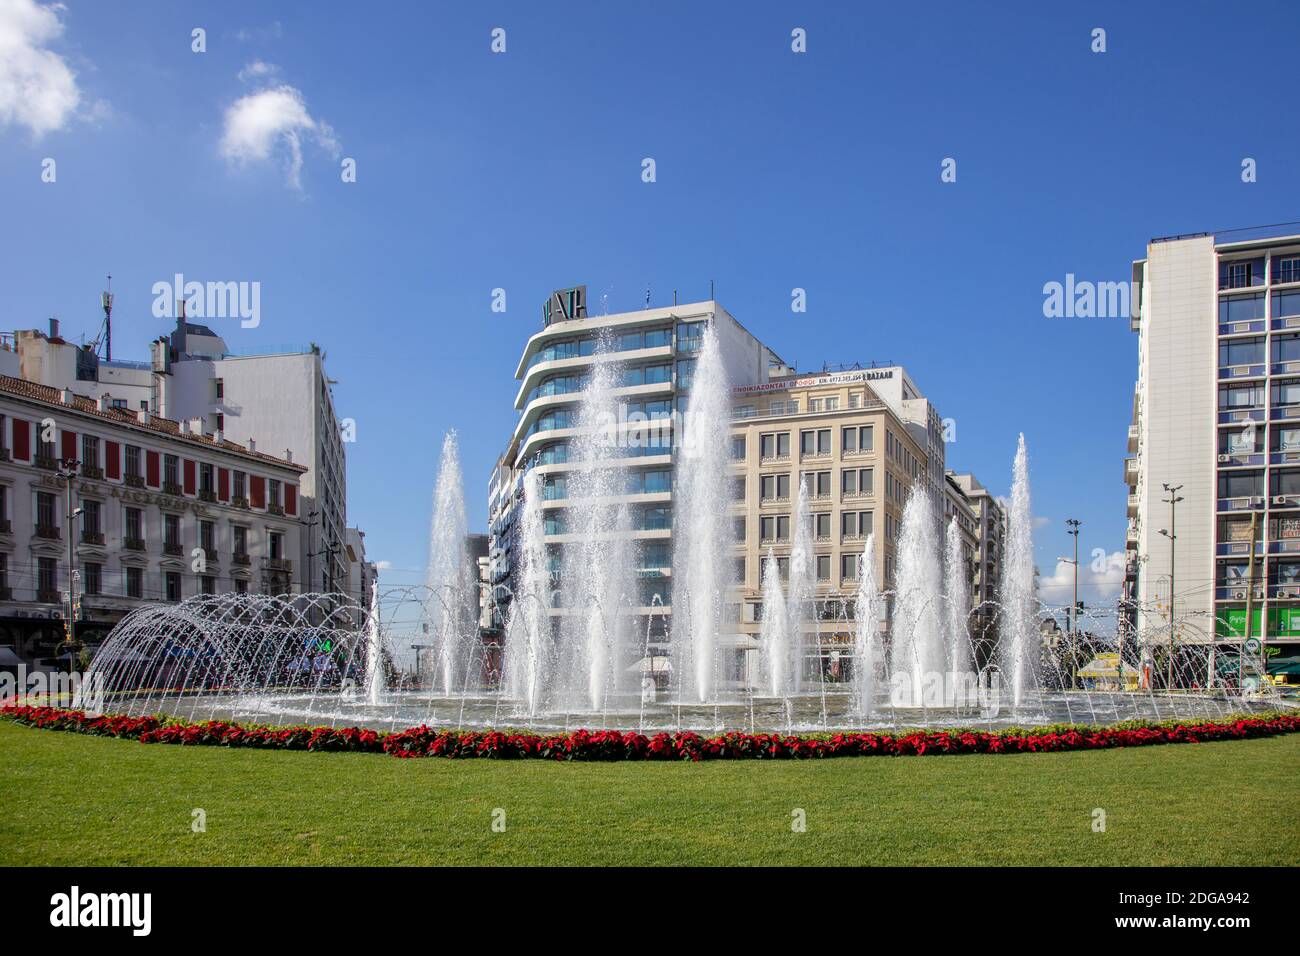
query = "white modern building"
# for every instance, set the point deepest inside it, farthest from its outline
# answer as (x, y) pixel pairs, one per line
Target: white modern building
(1216, 416)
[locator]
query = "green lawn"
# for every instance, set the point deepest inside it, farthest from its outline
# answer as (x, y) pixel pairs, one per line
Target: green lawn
(70, 799)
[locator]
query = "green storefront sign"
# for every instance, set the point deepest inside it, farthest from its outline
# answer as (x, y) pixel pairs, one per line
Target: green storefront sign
(1230, 623)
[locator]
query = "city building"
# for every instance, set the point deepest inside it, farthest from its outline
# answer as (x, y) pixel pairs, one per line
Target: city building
(858, 459)
(362, 574)
(957, 506)
(1216, 416)
(860, 436)
(990, 537)
(160, 511)
(281, 400)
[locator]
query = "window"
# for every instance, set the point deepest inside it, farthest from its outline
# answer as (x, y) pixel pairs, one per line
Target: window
(1241, 484)
(273, 493)
(44, 511)
(208, 536)
(822, 525)
(4, 570)
(1241, 308)
(47, 579)
(1286, 303)
(774, 445)
(134, 583)
(172, 579)
(90, 519)
(823, 567)
(857, 481)
(1286, 482)
(171, 531)
(275, 545)
(774, 528)
(133, 461)
(1285, 439)
(690, 336)
(849, 567)
(685, 373)
(219, 387)
(738, 529)
(738, 488)
(833, 403)
(240, 485)
(134, 526)
(92, 578)
(241, 586)
(855, 524)
(89, 453)
(241, 539)
(206, 484)
(1286, 392)
(207, 584)
(815, 442)
(738, 448)
(1241, 352)
(171, 471)
(818, 483)
(1287, 270)
(1241, 396)
(774, 487)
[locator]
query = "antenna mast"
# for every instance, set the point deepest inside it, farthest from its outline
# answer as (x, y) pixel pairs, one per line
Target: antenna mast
(106, 300)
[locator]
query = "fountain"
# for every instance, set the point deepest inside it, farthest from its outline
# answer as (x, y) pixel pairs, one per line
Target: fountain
(528, 627)
(917, 654)
(324, 659)
(869, 613)
(957, 607)
(703, 534)
(776, 649)
(451, 587)
(803, 585)
(1019, 638)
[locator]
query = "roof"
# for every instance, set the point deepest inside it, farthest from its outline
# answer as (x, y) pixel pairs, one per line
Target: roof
(49, 395)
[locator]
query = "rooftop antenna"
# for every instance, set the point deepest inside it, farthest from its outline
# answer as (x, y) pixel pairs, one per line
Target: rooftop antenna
(647, 297)
(106, 301)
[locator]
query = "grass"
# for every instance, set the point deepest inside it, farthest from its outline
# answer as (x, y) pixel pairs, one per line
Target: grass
(72, 799)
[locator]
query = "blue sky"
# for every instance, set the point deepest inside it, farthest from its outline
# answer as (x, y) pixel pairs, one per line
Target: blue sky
(521, 170)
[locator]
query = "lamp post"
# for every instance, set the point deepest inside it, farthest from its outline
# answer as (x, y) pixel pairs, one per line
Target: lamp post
(68, 471)
(1073, 524)
(1172, 535)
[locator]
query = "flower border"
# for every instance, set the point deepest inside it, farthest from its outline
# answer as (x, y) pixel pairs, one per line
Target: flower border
(608, 745)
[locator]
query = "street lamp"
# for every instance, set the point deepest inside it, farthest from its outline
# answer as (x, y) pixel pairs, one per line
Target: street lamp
(67, 470)
(1171, 534)
(1073, 524)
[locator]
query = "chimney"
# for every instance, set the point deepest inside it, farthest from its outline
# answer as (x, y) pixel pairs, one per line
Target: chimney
(196, 426)
(252, 445)
(54, 327)
(219, 436)
(104, 402)
(142, 416)
(66, 396)
(288, 454)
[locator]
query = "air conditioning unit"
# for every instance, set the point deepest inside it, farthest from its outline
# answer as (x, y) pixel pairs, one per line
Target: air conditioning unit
(1223, 458)
(1280, 499)
(1256, 501)
(1239, 595)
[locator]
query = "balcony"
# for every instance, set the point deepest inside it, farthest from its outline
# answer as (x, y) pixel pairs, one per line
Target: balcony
(49, 597)
(1130, 471)
(171, 488)
(274, 509)
(1286, 272)
(92, 537)
(48, 462)
(210, 555)
(241, 558)
(239, 503)
(47, 531)
(1257, 370)
(1132, 439)
(134, 481)
(173, 549)
(207, 494)
(134, 544)
(1133, 503)
(278, 564)
(93, 472)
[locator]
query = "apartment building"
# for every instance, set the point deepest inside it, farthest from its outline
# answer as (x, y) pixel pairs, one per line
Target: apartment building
(990, 537)
(282, 399)
(858, 460)
(1216, 416)
(160, 511)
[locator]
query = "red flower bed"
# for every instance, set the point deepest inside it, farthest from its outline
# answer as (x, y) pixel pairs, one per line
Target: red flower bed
(617, 745)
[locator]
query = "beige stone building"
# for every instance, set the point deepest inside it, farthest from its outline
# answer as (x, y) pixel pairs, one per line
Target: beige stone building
(859, 460)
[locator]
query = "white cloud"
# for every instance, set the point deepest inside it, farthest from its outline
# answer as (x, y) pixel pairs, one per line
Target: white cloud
(270, 121)
(37, 87)
(383, 565)
(1100, 580)
(258, 70)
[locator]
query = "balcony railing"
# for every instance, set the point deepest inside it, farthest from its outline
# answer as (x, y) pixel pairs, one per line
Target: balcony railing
(134, 481)
(207, 494)
(48, 462)
(92, 537)
(278, 564)
(275, 509)
(171, 488)
(239, 503)
(47, 531)
(173, 549)
(134, 544)
(92, 471)
(241, 558)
